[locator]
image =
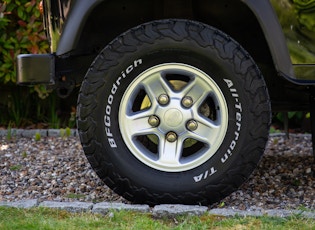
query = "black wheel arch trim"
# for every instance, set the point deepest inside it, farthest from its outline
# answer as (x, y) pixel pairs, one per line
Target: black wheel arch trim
(75, 22)
(271, 27)
(263, 11)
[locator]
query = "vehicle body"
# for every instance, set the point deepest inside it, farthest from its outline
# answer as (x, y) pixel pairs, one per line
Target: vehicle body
(78, 31)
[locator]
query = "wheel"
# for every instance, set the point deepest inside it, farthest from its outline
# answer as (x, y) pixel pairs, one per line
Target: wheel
(173, 111)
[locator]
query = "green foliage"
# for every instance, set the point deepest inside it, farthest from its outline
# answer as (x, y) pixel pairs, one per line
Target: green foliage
(291, 115)
(68, 132)
(65, 133)
(17, 108)
(24, 154)
(298, 23)
(37, 136)
(54, 120)
(21, 31)
(72, 119)
(15, 167)
(75, 196)
(294, 119)
(9, 132)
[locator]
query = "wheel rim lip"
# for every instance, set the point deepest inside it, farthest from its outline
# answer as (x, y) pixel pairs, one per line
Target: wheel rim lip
(140, 152)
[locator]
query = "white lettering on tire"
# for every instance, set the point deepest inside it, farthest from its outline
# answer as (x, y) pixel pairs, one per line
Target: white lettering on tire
(110, 100)
(229, 152)
(238, 118)
(205, 175)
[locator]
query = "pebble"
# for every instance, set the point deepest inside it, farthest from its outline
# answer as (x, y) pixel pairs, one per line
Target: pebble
(55, 169)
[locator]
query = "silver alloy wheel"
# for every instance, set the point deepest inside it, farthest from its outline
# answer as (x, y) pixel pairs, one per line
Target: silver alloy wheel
(173, 117)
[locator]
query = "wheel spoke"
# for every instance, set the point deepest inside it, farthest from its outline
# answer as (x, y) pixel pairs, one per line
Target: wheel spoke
(137, 124)
(197, 91)
(207, 132)
(170, 152)
(155, 86)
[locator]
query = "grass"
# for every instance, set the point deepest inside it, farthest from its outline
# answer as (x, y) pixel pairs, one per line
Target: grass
(65, 133)
(44, 218)
(75, 196)
(15, 167)
(37, 136)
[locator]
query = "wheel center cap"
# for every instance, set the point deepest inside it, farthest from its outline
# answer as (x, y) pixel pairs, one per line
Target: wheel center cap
(173, 117)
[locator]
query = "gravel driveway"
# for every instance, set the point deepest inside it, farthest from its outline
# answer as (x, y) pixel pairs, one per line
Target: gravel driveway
(55, 168)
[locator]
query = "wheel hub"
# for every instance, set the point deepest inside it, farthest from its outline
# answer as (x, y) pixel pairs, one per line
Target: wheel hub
(173, 117)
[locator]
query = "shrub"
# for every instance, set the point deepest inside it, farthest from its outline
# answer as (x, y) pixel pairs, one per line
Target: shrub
(21, 32)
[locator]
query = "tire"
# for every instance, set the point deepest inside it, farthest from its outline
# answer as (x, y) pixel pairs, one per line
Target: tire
(173, 111)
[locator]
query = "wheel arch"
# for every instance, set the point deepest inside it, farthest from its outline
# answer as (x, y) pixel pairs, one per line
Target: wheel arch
(244, 20)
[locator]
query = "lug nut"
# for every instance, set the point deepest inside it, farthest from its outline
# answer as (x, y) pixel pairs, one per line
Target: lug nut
(154, 121)
(171, 137)
(192, 125)
(163, 99)
(187, 102)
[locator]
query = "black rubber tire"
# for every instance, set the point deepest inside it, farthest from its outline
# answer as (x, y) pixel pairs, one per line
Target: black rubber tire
(194, 44)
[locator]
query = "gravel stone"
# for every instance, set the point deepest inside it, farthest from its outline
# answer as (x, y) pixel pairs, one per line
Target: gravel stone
(55, 169)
